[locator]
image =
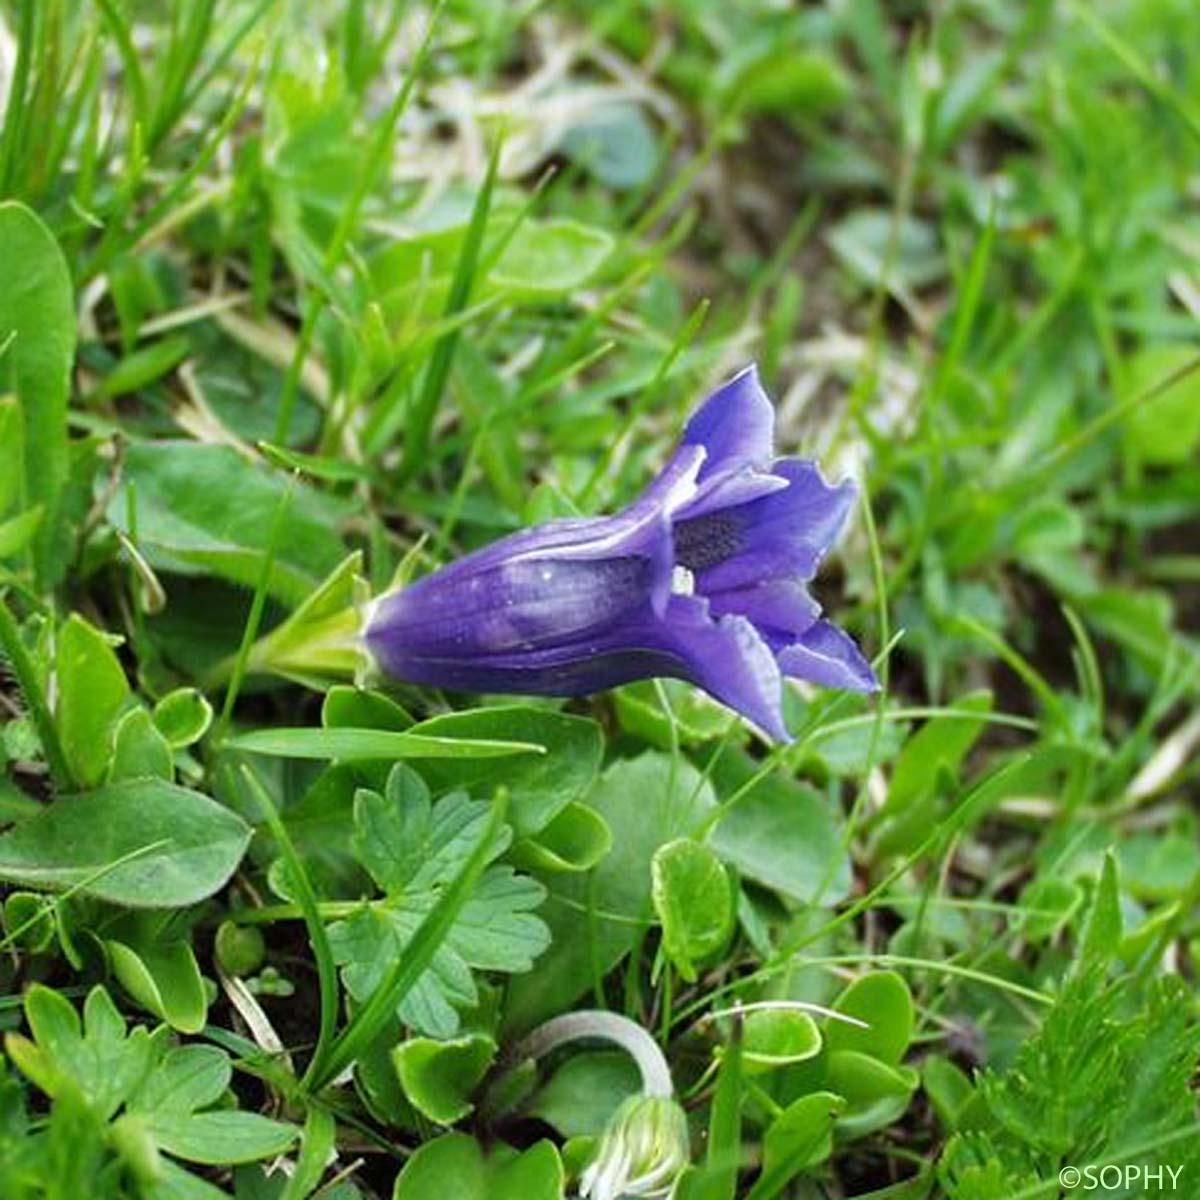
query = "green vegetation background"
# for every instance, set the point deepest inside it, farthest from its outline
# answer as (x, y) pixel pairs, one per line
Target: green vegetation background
(295, 296)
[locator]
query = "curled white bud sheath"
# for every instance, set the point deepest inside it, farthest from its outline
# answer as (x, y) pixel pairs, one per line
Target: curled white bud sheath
(645, 1145)
(642, 1152)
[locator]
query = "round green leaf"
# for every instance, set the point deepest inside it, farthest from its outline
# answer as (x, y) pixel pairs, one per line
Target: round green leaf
(881, 1000)
(439, 1076)
(575, 840)
(139, 750)
(774, 1038)
(183, 717)
(455, 1166)
(692, 897)
(1166, 429)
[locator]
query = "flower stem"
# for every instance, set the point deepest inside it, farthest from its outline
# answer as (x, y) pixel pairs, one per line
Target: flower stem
(608, 1027)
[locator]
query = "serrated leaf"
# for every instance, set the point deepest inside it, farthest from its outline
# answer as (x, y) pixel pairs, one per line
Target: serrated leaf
(413, 849)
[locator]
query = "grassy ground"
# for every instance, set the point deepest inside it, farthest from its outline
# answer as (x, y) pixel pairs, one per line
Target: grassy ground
(299, 299)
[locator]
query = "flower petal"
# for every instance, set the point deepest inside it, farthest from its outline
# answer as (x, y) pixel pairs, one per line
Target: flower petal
(735, 425)
(725, 656)
(781, 606)
(827, 656)
(728, 658)
(551, 584)
(784, 534)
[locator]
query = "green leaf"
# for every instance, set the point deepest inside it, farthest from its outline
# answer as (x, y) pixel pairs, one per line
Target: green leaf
(143, 843)
(882, 1001)
(694, 716)
(1140, 621)
(1103, 928)
(1161, 865)
(692, 896)
(420, 949)
(542, 259)
(780, 833)
(37, 312)
(789, 82)
(940, 745)
(92, 693)
(615, 143)
(222, 1137)
(876, 1093)
(439, 1077)
(93, 1059)
(1107, 1073)
(357, 708)
(539, 788)
(907, 259)
(595, 920)
(776, 1038)
(413, 850)
(455, 1166)
(164, 979)
(548, 258)
(17, 532)
(863, 1079)
(1164, 430)
(139, 750)
(183, 717)
(205, 509)
(356, 745)
(143, 366)
(722, 1155)
(574, 840)
(1052, 902)
(187, 1078)
(798, 1139)
(318, 1149)
(12, 451)
(28, 921)
(580, 1097)
(949, 1089)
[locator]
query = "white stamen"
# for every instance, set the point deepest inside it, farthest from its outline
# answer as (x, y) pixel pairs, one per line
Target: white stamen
(683, 582)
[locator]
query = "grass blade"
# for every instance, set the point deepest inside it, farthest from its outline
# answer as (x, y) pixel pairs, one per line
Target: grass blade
(424, 410)
(355, 745)
(306, 901)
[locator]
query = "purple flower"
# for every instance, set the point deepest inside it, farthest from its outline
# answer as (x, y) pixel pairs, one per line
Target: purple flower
(701, 578)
